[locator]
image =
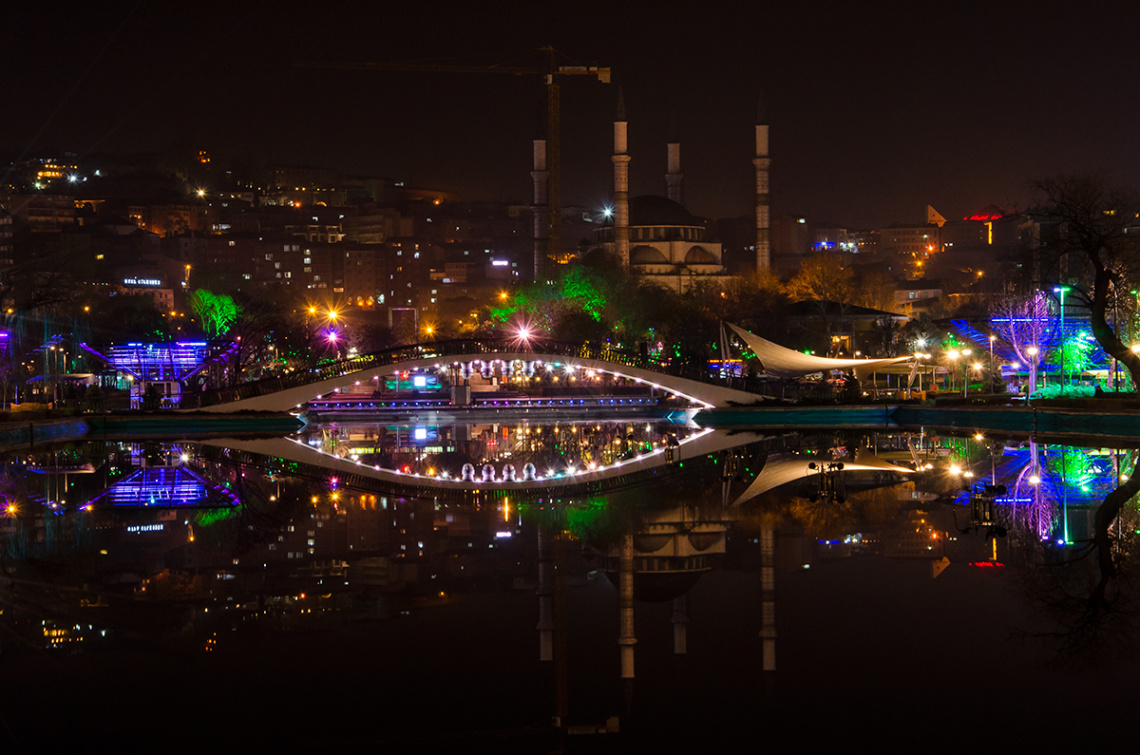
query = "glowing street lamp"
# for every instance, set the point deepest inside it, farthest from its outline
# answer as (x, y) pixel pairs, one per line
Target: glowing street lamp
(965, 371)
(1061, 290)
(992, 339)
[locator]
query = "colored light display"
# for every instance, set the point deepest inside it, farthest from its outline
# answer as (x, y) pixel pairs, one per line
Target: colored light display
(165, 487)
(1045, 480)
(162, 361)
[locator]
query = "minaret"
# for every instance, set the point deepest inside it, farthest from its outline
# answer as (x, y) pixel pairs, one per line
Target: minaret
(541, 208)
(673, 175)
(763, 220)
(621, 183)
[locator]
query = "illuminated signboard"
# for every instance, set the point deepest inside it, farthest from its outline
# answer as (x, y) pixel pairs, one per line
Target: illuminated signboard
(154, 282)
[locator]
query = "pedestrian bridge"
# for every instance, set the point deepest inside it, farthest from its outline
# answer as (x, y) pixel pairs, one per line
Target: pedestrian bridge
(291, 392)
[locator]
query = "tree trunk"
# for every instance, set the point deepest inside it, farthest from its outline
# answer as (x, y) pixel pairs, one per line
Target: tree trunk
(1101, 330)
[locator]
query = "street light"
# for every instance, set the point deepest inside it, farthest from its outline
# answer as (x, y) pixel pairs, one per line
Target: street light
(992, 339)
(1061, 290)
(965, 371)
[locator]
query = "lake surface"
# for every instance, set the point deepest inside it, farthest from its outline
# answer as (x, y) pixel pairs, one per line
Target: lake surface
(458, 587)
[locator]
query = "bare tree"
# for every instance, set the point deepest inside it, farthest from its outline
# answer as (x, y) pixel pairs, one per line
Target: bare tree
(1098, 229)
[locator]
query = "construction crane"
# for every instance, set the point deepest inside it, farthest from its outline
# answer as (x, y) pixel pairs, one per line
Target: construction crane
(553, 74)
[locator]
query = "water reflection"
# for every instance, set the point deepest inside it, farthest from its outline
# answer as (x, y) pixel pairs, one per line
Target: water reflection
(496, 451)
(619, 532)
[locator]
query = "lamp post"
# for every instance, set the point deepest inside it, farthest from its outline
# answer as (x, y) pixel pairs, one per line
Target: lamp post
(966, 371)
(992, 339)
(1061, 291)
(953, 356)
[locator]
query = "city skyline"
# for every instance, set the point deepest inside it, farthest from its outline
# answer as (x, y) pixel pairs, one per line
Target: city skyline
(874, 115)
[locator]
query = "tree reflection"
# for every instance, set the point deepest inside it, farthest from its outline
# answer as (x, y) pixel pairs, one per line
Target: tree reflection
(1079, 579)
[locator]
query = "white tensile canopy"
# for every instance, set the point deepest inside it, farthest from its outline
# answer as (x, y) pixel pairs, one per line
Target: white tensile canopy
(781, 471)
(784, 362)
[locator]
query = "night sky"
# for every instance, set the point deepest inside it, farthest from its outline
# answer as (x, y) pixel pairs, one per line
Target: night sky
(876, 109)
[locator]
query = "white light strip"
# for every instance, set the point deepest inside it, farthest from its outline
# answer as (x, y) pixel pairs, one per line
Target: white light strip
(462, 484)
(602, 370)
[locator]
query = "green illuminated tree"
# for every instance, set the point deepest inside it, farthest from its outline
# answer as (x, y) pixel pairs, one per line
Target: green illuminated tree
(216, 312)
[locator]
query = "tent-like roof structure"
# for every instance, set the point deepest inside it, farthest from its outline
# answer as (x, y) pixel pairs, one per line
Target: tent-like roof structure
(781, 471)
(784, 362)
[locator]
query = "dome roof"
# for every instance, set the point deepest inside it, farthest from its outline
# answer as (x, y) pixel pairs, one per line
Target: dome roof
(659, 587)
(651, 210)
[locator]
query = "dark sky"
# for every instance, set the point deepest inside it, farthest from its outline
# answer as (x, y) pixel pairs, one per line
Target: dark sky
(876, 109)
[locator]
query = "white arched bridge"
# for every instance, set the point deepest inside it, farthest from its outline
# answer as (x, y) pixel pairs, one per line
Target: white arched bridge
(690, 382)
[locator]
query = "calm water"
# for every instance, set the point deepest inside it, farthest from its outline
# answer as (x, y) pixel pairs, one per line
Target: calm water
(370, 584)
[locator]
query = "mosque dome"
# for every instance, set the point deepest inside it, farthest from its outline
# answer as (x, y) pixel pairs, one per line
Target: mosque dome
(652, 210)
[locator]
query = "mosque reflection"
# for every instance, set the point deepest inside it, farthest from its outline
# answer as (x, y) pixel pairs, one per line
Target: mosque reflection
(371, 521)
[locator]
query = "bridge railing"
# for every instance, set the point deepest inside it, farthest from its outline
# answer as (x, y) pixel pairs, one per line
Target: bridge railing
(457, 348)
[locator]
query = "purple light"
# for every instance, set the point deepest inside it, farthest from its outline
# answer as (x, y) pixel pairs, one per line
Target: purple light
(165, 487)
(162, 361)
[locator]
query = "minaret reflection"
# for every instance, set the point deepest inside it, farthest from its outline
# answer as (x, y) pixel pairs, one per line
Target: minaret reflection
(545, 597)
(625, 601)
(661, 561)
(768, 597)
(680, 623)
(551, 614)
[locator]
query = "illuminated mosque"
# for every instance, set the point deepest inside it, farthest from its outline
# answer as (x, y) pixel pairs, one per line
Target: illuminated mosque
(655, 236)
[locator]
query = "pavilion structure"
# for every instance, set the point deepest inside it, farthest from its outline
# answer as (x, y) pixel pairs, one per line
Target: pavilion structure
(781, 361)
(166, 365)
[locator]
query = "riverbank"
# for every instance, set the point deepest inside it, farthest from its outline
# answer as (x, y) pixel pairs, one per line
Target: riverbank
(42, 427)
(1110, 419)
